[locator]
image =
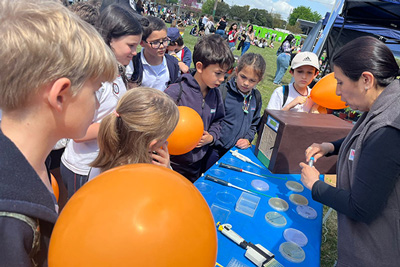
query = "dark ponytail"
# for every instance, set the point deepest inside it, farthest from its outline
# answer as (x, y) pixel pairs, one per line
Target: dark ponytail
(367, 54)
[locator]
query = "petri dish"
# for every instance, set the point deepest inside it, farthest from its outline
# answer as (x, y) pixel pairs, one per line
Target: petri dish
(306, 212)
(295, 236)
(278, 204)
(226, 197)
(260, 185)
(292, 252)
(203, 187)
(294, 186)
(237, 181)
(298, 199)
(275, 218)
(217, 173)
(233, 161)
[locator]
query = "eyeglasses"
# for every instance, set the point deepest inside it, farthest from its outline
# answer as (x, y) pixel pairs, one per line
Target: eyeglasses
(156, 44)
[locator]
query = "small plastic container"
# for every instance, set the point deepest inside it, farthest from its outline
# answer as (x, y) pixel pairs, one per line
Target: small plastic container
(226, 197)
(295, 236)
(278, 204)
(276, 219)
(260, 185)
(247, 204)
(220, 214)
(292, 252)
(217, 173)
(306, 212)
(203, 187)
(294, 186)
(298, 199)
(237, 181)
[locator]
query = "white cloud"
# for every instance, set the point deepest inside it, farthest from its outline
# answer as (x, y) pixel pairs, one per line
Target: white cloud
(281, 7)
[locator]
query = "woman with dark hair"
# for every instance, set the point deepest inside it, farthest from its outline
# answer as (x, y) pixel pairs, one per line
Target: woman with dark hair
(283, 60)
(249, 37)
(367, 194)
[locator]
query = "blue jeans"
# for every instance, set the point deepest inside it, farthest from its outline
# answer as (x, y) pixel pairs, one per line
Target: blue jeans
(282, 63)
(72, 181)
(232, 46)
(245, 47)
(220, 32)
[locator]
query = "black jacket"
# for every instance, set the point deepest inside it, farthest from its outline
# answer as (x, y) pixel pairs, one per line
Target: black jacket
(22, 191)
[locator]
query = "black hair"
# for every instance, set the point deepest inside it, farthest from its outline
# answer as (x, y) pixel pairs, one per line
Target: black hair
(255, 61)
(288, 38)
(86, 11)
(231, 27)
(116, 21)
(252, 28)
(213, 49)
(178, 41)
(155, 24)
(367, 54)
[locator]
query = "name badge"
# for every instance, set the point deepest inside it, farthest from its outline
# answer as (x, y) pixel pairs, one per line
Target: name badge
(351, 155)
(252, 109)
(212, 111)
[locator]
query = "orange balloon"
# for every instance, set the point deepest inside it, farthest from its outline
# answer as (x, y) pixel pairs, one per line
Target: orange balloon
(187, 133)
(54, 185)
(135, 215)
(324, 93)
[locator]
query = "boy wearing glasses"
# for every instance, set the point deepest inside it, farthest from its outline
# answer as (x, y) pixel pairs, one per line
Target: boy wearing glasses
(152, 67)
(212, 58)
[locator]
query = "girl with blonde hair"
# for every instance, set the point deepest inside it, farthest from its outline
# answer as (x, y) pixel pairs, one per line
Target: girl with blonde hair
(137, 131)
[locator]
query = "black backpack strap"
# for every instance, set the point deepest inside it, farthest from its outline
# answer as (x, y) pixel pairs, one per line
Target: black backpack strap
(180, 93)
(223, 89)
(258, 98)
(285, 93)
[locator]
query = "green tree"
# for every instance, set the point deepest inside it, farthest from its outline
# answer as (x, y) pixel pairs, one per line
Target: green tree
(208, 8)
(302, 12)
(259, 17)
(294, 29)
(238, 12)
(277, 21)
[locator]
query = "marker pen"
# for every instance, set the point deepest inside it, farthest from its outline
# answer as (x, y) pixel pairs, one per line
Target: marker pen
(311, 162)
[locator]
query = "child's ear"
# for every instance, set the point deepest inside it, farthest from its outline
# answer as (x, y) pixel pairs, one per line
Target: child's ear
(199, 67)
(316, 73)
(291, 71)
(152, 145)
(59, 91)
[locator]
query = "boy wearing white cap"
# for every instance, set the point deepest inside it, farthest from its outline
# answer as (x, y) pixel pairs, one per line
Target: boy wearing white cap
(295, 96)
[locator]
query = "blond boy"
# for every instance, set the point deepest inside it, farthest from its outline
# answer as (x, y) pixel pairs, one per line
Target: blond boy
(52, 64)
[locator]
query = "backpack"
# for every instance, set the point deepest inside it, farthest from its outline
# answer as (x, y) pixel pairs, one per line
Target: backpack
(212, 28)
(280, 51)
(34, 224)
(285, 92)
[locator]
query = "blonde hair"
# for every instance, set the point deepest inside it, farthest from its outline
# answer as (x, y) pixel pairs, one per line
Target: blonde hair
(42, 41)
(142, 115)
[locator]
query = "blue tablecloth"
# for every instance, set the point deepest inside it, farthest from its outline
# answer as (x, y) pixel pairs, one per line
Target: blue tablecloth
(256, 229)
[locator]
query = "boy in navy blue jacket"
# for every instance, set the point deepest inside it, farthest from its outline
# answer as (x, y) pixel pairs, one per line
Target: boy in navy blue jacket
(212, 58)
(44, 97)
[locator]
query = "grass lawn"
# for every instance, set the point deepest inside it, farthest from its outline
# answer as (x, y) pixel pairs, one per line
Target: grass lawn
(266, 87)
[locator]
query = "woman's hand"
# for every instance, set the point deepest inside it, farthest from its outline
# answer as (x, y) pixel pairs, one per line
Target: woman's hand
(243, 143)
(205, 139)
(318, 150)
(309, 175)
(160, 156)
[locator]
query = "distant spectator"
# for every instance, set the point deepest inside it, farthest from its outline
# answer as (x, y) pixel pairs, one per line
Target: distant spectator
(221, 25)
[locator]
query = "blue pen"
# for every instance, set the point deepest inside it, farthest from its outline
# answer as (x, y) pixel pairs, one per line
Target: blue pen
(311, 162)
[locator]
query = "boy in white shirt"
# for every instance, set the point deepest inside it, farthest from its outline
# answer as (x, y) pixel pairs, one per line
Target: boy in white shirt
(295, 96)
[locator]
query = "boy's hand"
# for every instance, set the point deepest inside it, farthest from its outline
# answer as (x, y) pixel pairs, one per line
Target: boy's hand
(205, 139)
(161, 156)
(297, 101)
(243, 143)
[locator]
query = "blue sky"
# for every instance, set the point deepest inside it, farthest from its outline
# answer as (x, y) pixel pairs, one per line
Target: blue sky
(284, 7)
